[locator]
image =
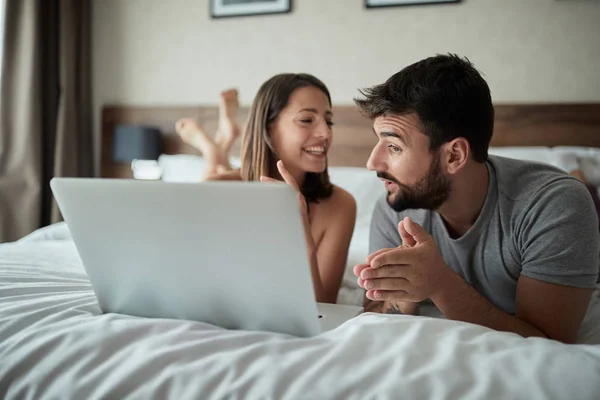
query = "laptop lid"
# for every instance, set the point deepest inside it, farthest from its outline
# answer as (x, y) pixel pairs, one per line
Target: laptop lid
(231, 254)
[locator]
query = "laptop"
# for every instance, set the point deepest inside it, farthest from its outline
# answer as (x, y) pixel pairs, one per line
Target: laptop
(231, 254)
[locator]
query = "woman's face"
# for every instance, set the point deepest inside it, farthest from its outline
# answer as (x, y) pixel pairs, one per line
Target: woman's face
(301, 134)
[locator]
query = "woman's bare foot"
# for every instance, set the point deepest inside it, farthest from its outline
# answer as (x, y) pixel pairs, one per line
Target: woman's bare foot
(228, 130)
(192, 133)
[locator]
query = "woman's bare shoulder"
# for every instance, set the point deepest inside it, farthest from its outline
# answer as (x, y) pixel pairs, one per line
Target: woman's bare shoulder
(342, 198)
(232, 175)
(340, 202)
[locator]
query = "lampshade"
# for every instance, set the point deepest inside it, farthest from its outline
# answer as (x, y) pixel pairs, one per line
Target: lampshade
(136, 142)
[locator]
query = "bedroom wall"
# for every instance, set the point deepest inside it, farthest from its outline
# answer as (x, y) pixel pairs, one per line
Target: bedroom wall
(171, 52)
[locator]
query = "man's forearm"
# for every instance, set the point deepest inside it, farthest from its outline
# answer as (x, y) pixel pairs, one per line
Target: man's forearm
(389, 307)
(461, 302)
(373, 306)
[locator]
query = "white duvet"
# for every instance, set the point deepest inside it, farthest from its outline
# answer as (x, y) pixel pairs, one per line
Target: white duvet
(55, 343)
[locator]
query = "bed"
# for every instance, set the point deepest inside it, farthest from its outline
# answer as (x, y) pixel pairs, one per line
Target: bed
(56, 343)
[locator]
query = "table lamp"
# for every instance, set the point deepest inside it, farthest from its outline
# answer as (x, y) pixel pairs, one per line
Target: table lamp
(140, 146)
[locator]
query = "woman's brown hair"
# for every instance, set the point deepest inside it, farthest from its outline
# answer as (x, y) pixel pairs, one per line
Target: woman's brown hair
(258, 155)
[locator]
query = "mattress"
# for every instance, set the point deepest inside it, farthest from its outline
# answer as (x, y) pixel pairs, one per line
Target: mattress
(56, 343)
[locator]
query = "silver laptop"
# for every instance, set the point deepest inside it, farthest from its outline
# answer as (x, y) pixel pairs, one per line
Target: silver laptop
(231, 254)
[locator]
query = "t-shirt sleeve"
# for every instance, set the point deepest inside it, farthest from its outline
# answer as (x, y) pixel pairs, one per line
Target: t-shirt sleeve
(384, 227)
(559, 236)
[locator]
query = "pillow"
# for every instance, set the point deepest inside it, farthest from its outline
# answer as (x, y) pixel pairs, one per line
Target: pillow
(363, 185)
(567, 158)
(528, 153)
(181, 167)
(588, 161)
(579, 151)
(186, 167)
(366, 189)
(590, 166)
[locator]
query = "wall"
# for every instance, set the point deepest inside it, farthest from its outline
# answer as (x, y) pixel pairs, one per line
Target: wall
(171, 52)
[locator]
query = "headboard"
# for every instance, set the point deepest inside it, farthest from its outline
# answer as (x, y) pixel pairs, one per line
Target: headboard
(515, 125)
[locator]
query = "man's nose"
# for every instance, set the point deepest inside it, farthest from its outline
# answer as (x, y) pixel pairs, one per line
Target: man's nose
(376, 161)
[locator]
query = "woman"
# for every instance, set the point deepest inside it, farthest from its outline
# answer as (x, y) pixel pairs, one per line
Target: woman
(287, 137)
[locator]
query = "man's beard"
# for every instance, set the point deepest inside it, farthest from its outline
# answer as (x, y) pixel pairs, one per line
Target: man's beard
(429, 193)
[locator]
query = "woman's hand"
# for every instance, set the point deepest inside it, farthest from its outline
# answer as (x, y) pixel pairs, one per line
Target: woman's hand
(289, 179)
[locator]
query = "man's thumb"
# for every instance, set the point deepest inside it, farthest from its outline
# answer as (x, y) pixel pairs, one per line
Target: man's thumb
(407, 239)
(416, 231)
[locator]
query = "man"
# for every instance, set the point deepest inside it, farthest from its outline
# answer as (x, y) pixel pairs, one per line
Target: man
(506, 244)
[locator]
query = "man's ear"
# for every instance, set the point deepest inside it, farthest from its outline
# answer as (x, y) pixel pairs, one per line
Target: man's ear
(455, 155)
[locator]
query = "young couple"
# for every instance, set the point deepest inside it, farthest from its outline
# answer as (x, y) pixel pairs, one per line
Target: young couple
(507, 244)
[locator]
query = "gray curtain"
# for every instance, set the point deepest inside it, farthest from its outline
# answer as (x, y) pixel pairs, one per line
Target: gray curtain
(45, 108)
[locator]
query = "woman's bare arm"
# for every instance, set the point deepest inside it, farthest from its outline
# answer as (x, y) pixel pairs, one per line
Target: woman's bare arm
(332, 250)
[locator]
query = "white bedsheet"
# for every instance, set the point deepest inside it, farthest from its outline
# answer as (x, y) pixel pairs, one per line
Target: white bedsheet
(54, 343)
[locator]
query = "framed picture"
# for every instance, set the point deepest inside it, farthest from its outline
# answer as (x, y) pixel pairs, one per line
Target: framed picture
(239, 8)
(390, 3)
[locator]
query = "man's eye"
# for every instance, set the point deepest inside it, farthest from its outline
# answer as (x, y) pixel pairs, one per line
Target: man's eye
(306, 121)
(394, 149)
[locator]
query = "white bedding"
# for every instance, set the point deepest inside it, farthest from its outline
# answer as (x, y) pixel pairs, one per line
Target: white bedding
(54, 343)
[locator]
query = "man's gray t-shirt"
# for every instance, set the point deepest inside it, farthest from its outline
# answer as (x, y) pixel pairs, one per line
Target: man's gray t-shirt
(536, 221)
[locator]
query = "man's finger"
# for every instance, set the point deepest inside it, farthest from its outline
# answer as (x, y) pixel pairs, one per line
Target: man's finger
(387, 295)
(407, 239)
(378, 252)
(359, 268)
(398, 256)
(387, 284)
(387, 271)
(416, 231)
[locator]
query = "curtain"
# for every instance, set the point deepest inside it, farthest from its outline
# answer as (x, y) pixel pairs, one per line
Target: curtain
(45, 108)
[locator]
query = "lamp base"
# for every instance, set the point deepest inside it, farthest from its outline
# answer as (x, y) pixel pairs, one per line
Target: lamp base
(146, 170)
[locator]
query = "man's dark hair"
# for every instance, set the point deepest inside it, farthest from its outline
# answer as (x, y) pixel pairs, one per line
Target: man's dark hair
(448, 94)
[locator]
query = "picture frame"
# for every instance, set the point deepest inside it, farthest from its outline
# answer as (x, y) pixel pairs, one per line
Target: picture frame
(395, 3)
(244, 8)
